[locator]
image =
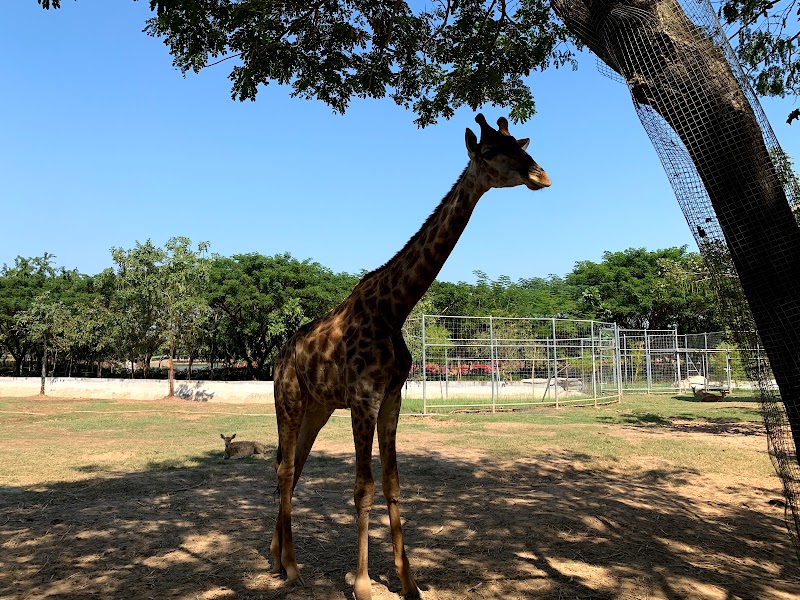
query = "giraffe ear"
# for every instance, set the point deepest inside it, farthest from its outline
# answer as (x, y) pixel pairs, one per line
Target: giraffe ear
(523, 143)
(472, 143)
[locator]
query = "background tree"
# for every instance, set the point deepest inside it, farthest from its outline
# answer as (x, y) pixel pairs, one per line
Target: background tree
(138, 302)
(45, 324)
(184, 276)
(261, 301)
(159, 294)
(92, 335)
(248, 305)
(195, 333)
(20, 285)
(639, 289)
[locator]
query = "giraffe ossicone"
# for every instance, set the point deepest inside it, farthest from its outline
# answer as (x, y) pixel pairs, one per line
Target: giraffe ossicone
(355, 357)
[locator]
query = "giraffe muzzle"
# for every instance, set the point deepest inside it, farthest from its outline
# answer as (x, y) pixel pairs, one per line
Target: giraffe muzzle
(537, 179)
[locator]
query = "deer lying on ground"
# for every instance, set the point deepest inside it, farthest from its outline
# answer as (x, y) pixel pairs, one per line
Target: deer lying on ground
(240, 449)
(706, 396)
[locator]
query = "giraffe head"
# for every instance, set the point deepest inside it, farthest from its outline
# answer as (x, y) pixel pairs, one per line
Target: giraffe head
(502, 159)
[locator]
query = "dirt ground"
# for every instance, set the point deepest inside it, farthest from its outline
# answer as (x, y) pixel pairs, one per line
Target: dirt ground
(554, 526)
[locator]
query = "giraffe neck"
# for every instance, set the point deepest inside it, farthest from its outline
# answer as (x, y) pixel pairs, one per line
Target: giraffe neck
(400, 283)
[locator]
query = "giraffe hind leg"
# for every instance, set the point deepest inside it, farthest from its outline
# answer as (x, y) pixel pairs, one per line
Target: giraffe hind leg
(289, 408)
(387, 433)
(314, 420)
(282, 546)
(281, 559)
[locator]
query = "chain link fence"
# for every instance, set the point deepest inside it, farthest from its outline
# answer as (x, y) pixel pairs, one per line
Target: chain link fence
(497, 364)
(664, 361)
(493, 363)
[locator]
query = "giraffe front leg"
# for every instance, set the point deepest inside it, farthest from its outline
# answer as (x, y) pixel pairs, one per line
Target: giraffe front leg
(387, 433)
(363, 417)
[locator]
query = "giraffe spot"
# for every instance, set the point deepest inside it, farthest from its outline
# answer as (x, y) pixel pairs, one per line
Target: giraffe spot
(440, 246)
(372, 305)
(359, 305)
(384, 306)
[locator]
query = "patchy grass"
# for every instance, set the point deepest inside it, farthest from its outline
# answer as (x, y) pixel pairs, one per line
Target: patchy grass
(58, 439)
(656, 497)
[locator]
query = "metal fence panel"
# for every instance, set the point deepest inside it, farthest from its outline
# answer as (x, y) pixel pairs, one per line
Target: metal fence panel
(663, 361)
(497, 363)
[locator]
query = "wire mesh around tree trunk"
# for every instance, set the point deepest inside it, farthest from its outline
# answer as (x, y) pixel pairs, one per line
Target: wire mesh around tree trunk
(728, 173)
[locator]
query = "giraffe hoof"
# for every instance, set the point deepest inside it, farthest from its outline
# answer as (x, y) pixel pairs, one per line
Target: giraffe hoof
(295, 580)
(362, 590)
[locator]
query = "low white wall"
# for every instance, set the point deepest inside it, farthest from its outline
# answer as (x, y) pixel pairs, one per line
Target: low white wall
(139, 389)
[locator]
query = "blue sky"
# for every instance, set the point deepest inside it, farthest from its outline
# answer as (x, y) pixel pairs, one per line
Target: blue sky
(105, 144)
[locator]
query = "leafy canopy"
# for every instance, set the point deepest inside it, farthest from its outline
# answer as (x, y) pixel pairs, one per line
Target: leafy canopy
(765, 34)
(430, 57)
(640, 289)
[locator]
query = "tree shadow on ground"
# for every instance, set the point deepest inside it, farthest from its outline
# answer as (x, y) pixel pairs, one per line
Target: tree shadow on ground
(645, 422)
(634, 419)
(531, 528)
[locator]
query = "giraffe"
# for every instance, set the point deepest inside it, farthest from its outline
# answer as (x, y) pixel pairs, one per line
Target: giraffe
(355, 357)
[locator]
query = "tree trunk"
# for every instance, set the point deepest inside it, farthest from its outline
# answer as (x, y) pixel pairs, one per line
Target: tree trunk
(675, 69)
(44, 368)
(18, 360)
(211, 359)
(171, 366)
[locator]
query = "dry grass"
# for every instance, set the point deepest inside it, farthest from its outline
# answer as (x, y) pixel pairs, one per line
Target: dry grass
(655, 498)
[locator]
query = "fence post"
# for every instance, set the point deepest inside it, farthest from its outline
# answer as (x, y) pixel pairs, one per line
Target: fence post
(424, 371)
(647, 363)
(491, 360)
(686, 359)
(678, 363)
(594, 367)
(555, 363)
(446, 376)
(618, 356)
(728, 367)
